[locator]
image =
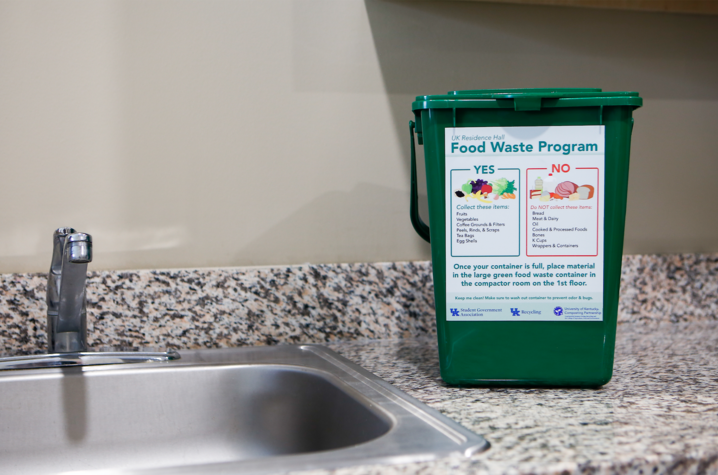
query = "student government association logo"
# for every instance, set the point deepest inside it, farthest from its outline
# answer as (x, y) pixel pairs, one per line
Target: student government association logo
(454, 312)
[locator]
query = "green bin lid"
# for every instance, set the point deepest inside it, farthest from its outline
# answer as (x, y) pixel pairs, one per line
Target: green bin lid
(527, 99)
(539, 91)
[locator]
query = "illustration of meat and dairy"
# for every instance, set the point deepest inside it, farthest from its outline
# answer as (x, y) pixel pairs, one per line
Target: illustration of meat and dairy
(563, 190)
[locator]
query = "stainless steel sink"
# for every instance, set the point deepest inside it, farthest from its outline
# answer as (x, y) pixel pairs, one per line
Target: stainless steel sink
(244, 410)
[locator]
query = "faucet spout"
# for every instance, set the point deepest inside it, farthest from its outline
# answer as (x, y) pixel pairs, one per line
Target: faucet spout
(66, 303)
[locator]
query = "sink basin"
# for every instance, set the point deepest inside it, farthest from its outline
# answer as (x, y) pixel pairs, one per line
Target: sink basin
(243, 410)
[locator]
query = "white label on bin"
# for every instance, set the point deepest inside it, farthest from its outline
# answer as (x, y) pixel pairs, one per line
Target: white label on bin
(524, 223)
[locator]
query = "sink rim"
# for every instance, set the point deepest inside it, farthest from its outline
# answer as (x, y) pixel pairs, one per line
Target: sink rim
(412, 423)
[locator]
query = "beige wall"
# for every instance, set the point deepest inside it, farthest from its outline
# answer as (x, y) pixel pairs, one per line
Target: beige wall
(230, 132)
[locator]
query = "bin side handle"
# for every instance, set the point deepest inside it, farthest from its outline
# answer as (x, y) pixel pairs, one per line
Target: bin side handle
(419, 226)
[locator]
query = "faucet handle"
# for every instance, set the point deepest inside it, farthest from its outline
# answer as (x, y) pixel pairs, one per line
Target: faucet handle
(55, 274)
(58, 245)
(79, 248)
(66, 305)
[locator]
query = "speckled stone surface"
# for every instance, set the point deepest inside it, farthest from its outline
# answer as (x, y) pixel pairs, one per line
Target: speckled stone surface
(659, 414)
(211, 308)
(671, 288)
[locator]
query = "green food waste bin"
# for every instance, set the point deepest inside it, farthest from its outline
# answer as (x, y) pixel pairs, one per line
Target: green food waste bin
(527, 205)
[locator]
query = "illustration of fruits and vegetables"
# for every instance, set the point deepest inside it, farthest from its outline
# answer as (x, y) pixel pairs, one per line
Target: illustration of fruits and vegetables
(485, 191)
(564, 190)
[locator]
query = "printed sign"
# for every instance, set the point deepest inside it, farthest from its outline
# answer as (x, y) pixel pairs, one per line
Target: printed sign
(524, 234)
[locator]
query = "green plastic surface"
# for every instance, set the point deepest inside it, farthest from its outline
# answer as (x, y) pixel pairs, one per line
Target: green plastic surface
(533, 91)
(496, 353)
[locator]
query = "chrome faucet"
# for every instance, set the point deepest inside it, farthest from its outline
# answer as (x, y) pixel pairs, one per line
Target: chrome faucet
(67, 313)
(66, 303)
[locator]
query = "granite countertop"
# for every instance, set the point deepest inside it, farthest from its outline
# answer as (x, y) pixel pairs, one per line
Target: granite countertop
(659, 413)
